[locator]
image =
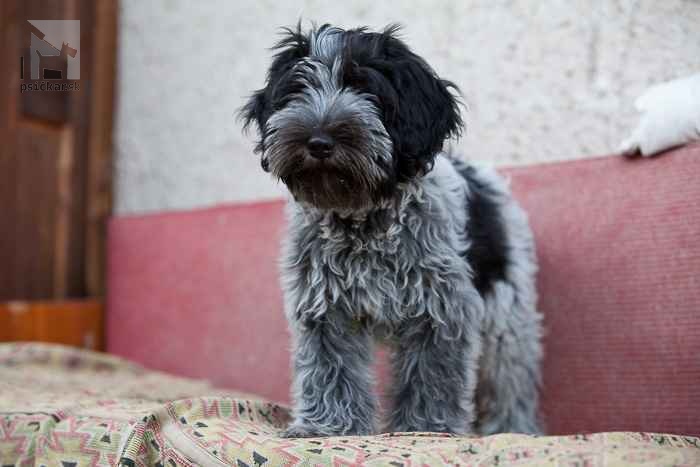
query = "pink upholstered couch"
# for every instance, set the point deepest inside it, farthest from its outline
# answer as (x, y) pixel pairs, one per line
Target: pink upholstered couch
(196, 293)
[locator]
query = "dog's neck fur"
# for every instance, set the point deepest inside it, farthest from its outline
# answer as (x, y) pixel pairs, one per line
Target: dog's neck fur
(391, 209)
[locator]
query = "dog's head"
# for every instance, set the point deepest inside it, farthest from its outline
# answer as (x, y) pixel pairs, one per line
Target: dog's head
(345, 115)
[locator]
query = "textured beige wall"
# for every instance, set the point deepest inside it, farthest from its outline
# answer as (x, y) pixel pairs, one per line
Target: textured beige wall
(544, 80)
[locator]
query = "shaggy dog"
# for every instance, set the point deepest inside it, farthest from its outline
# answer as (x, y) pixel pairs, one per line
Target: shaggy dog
(389, 238)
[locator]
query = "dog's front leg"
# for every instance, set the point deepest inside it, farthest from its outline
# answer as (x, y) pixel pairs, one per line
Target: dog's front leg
(332, 379)
(434, 369)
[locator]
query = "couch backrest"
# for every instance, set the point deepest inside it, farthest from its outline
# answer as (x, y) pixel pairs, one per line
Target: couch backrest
(196, 293)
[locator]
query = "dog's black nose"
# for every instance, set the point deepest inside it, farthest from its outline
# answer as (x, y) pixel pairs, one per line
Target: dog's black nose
(320, 145)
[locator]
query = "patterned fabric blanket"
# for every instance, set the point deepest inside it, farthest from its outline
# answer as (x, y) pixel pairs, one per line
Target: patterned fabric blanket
(66, 407)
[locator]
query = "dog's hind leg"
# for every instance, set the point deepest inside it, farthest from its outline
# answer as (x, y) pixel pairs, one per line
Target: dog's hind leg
(510, 367)
(509, 370)
(503, 261)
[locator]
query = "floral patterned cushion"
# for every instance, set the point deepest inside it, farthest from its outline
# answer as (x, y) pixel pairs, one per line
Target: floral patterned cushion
(66, 407)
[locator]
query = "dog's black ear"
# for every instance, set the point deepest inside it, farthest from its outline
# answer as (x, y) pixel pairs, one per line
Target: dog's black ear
(426, 111)
(254, 111)
(262, 103)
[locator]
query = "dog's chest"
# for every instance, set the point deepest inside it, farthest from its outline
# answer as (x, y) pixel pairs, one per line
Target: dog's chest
(379, 272)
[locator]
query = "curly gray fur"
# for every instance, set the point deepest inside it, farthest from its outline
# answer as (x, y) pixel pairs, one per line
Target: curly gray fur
(390, 239)
(461, 362)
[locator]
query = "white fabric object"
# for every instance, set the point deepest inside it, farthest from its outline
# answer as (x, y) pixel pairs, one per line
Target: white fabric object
(670, 116)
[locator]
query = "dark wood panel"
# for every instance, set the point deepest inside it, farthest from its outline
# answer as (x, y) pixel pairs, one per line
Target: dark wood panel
(33, 213)
(55, 158)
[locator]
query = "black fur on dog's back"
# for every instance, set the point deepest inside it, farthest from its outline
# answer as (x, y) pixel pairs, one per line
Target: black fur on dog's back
(488, 252)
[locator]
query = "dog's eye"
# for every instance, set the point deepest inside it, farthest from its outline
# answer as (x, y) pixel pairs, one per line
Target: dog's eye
(284, 93)
(278, 104)
(373, 99)
(280, 101)
(352, 74)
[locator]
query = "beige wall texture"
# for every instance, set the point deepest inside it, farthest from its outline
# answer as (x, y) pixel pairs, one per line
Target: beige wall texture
(543, 80)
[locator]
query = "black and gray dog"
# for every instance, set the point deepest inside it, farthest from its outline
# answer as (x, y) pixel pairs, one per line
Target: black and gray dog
(390, 238)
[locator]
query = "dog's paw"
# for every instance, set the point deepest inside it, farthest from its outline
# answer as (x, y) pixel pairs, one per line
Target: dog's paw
(304, 430)
(457, 427)
(295, 431)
